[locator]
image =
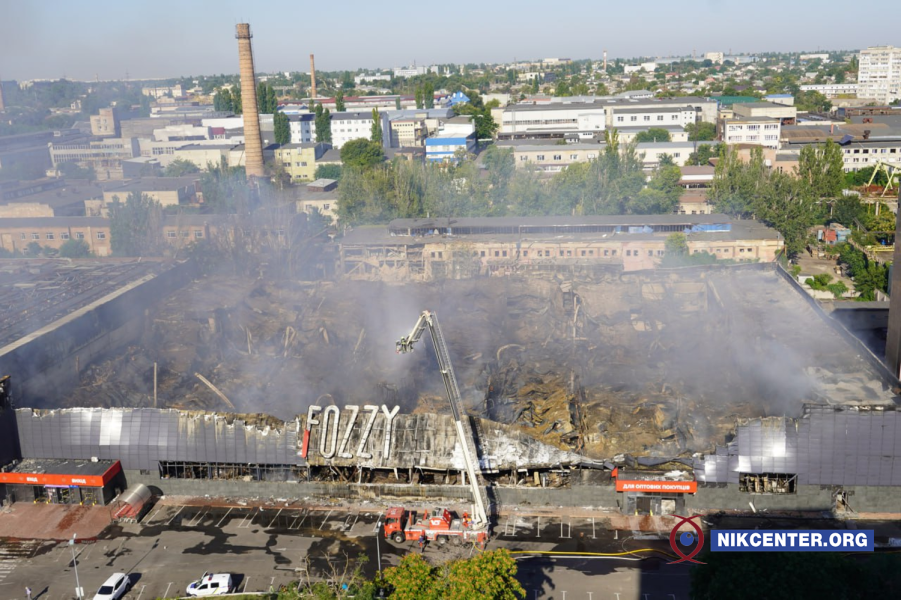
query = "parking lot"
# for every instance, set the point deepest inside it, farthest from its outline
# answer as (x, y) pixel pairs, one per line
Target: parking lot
(269, 546)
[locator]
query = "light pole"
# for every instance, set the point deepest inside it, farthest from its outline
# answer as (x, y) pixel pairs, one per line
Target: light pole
(78, 593)
(378, 551)
(378, 554)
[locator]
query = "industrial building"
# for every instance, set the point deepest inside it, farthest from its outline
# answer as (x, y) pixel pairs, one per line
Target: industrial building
(468, 247)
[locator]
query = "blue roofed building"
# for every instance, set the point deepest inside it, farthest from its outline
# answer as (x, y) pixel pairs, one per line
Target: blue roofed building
(457, 98)
(455, 134)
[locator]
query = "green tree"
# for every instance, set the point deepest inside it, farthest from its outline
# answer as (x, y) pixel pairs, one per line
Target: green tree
(33, 249)
(848, 210)
(812, 102)
(428, 95)
(223, 100)
(562, 88)
(322, 122)
(654, 134)
(418, 97)
(328, 172)
(701, 131)
(821, 168)
(224, 188)
(362, 153)
(282, 128)
(397, 103)
(135, 226)
(267, 103)
(376, 133)
(487, 576)
(237, 101)
(485, 125)
(180, 167)
(676, 244)
(414, 579)
(702, 156)
(339, 101)
(74, 249)
(535, 83)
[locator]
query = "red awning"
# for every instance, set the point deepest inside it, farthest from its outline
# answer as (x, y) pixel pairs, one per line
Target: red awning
(64, 480)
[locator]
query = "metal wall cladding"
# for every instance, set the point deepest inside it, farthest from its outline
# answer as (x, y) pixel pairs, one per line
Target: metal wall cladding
(142, 437)
(826, 446)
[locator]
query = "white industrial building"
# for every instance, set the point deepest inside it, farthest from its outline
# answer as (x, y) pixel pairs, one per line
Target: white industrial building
(832, 90)
(348, 126)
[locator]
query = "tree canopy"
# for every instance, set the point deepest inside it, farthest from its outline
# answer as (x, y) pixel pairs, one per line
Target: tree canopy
(282, 128)
(135, 226)
(654, 134)
(362, 153)
(487, 576)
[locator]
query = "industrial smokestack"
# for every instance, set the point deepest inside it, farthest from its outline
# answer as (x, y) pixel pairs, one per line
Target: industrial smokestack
(2, 105)
(605, 61)
(253, 144)
(893, 338)
(312, 78)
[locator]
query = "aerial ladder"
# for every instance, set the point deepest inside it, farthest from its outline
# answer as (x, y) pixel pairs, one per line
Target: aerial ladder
(429, 320)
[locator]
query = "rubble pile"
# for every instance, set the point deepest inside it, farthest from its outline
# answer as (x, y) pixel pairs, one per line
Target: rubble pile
(658, 364)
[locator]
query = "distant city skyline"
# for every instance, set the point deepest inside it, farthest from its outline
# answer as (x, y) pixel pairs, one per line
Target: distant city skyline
(166, 38)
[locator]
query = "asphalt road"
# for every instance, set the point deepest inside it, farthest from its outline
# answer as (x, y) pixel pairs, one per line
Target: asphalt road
(274, 546)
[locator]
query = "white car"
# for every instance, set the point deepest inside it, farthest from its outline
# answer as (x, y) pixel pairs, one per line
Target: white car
(211, 584)
(113, 588)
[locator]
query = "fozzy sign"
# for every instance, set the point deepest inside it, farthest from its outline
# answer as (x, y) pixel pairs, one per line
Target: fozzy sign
(335, 427)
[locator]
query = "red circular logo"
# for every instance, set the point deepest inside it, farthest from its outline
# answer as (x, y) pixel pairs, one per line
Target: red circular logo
(672, 541)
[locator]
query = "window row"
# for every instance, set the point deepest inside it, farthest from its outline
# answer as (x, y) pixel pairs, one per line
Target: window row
(101, 235)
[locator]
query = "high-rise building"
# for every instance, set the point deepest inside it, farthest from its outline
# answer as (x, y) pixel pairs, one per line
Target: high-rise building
(879, 74)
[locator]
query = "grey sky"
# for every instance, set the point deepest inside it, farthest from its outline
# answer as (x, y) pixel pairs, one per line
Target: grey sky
(167, 38)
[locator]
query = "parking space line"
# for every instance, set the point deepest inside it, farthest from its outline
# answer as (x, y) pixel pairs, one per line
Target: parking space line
(347, 520)
(200, 515)
(244, 524)
(376, 526)
(538, 527)
(304, 514)
(246, 581)
(155, 513)
(325, 520)
(223, 517)
(166, 595)
(593, 536)
(274, 518)
(142, 592)
(169, 522)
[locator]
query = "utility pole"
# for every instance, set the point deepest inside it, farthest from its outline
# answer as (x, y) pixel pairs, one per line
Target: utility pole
(78, 592)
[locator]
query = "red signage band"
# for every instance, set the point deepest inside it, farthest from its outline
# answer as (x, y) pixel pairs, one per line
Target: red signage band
(62, 480)
(681, 487)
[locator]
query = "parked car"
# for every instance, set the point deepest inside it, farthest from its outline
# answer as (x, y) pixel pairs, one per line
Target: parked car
(210, 584)
(114, 587)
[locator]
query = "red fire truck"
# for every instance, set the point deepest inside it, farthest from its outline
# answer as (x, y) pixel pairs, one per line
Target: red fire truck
(439, 526)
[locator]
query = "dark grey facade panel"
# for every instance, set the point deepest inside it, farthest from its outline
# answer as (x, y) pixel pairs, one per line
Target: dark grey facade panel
(827, 446)
(140, 438)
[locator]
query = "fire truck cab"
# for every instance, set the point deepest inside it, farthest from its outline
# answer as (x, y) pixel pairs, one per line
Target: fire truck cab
(438, 525)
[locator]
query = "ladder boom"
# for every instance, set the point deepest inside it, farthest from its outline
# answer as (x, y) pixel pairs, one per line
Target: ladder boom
(429, 320)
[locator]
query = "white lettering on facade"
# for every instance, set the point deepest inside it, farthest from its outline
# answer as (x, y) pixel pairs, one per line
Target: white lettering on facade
(354, 411)
(367, 431)
(325, 436)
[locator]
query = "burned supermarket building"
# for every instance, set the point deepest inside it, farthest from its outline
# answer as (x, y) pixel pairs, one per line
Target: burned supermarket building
(643, 391)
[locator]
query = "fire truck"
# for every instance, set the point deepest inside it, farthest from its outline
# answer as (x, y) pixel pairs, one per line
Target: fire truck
(438, 526)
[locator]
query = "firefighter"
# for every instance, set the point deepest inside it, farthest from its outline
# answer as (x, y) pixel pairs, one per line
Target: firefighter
(466, 520)
(422, 541)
